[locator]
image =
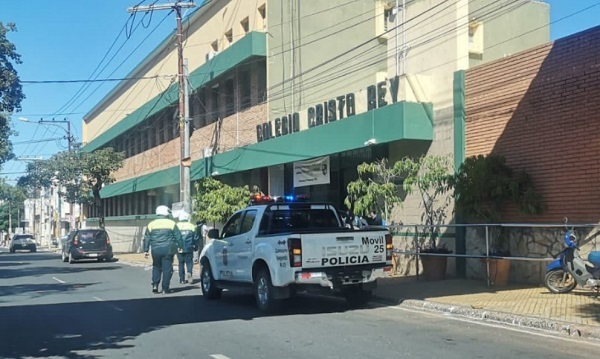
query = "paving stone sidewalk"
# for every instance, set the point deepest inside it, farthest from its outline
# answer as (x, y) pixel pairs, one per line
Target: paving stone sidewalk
(575, 314)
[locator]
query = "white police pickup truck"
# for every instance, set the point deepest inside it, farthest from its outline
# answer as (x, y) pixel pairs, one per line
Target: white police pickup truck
(280, 247)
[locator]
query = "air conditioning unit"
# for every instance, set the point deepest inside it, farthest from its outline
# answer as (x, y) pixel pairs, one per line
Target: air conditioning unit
(211, 54)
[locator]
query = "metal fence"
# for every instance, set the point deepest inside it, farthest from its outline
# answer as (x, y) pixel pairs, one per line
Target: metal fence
(451, 229)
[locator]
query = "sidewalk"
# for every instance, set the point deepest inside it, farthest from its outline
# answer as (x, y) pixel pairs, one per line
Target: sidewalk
(575, 314)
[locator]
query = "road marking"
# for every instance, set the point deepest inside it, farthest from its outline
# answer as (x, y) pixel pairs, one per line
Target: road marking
(113, 306)
(219, 356)
(58, 280)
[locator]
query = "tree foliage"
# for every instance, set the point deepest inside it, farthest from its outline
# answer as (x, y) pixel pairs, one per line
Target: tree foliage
(11, 200)
(484, 184)
(431, 177)
(81, 174)
(379, 188)
(11, 92)
(215, 201)
(376, 189)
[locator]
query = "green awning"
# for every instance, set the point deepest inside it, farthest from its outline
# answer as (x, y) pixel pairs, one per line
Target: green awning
(396, 122)
(252, 45)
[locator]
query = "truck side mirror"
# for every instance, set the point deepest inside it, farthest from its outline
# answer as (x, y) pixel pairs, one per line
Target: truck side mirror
(213, 233)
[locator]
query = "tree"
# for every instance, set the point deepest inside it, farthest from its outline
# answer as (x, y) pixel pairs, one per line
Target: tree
(215, 201)
(376, 189)
(81, 174)
(11, 92)
(431, 177)
(11, 205)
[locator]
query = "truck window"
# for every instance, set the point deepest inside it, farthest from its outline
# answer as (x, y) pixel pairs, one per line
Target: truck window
(287, 220)
(233, 226)
(248, 221)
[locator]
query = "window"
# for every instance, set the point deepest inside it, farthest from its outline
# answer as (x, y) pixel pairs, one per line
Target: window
(245, 25)
(233, 226)
(262, 83)
(262, 17)
(245, 85)
(151, 137)
(215, 103)
(229, 97)
(229, 37)
(248, 221)
(215, 46)
(475, 38)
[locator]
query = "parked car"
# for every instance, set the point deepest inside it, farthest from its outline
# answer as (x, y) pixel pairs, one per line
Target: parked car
(22, 241)
(87, 244)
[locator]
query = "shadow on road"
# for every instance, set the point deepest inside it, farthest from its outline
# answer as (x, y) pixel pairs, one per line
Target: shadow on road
(40, 290)
(39, 271)
(13, 264)
(59, 329)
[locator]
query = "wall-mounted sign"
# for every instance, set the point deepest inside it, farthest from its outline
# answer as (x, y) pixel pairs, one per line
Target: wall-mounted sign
(332, 110)
(311, 172)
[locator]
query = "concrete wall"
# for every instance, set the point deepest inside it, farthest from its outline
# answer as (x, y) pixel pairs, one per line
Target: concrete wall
(309, 52)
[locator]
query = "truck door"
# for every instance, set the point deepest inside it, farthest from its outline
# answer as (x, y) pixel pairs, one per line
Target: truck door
(224, 247)
(244, 251)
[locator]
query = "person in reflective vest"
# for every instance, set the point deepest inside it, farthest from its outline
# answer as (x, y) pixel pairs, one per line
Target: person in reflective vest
(163, 239)
(189, 236)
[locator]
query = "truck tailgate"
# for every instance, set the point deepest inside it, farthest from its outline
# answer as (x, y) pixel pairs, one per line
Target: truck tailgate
(343, 249)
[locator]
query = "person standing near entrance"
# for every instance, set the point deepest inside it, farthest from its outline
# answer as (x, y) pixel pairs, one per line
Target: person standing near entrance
(189, 237)
(164, 239)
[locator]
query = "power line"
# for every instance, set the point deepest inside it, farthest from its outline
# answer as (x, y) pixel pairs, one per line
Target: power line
(89, 81)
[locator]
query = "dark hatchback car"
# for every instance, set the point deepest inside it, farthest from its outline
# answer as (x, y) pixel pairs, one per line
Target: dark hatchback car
(87, 244)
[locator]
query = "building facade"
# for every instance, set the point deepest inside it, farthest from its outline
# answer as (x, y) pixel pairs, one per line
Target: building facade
(292, 96)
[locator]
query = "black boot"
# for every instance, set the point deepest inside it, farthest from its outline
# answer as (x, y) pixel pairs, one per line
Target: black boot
(155, 288)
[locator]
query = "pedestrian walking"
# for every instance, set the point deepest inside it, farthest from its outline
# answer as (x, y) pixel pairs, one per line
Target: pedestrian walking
(163, 239)
(189, 237)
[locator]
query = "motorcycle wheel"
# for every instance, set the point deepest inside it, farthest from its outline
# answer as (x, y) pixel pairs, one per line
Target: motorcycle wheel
(559, 281)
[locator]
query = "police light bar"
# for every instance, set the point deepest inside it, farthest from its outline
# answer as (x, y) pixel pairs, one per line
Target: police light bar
(262, 199)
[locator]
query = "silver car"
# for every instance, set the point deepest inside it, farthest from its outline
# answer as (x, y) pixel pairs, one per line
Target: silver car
(22, 242)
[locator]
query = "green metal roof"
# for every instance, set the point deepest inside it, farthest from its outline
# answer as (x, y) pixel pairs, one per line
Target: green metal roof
(251, 45)
(395, 122)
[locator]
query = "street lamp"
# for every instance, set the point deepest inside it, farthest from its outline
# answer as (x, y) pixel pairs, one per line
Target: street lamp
(69, 138)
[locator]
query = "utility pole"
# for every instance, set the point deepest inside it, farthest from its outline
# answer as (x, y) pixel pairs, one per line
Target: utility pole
(184, 135)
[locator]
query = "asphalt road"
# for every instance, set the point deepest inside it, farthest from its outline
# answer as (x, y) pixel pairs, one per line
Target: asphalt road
(106, 310)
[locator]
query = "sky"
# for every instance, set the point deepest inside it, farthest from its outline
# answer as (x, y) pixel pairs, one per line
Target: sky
(67, 40)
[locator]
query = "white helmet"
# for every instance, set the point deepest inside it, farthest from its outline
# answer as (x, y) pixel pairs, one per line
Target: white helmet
(184, 216)
(162, 211)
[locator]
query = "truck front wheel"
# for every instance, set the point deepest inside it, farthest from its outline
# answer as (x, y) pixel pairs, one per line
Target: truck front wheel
(357, 297)
(264, 292)
(209, 288)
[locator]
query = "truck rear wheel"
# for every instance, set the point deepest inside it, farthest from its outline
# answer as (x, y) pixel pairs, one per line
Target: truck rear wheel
(264, 292)
(357, 297)
(209, 288)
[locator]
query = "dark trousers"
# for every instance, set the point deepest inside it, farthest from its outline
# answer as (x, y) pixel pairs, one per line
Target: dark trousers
(185, 260)
(162, 264)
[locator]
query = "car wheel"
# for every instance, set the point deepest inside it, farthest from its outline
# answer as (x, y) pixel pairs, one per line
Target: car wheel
(71, 259)
(264, 292)
(12, 250)
(34, 250)
(100, 259)
(208, 285)
(64, 257)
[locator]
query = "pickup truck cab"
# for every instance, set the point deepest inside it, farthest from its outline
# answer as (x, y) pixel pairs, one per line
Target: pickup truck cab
(280, 247)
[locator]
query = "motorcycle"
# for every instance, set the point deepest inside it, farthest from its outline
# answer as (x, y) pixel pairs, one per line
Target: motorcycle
(569, 270)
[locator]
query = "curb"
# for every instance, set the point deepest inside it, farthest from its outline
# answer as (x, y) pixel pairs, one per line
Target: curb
(555, 327)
